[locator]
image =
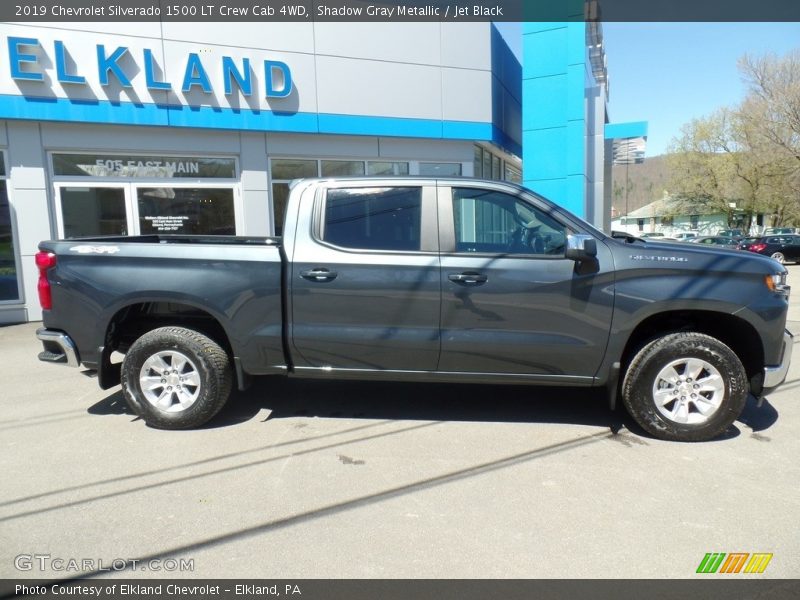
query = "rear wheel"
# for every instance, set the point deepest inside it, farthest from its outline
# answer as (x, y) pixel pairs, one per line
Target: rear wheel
(176, 378)
(685, 387)
(779, 257)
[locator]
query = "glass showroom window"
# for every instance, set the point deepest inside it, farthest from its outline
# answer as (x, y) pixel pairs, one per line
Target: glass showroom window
(440, 169)
(495, 168)
(490, 166)
(88, 211)
(206, 211)
(284, 170)
(9, 285)
(477, 165)
(342, 168)
(513, 174)
(114, 194)
(380, 168)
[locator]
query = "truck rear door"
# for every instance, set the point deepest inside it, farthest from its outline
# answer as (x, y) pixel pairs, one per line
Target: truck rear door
(364, 277)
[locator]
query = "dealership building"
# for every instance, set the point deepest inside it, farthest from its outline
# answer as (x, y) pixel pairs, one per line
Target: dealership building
(164, 127)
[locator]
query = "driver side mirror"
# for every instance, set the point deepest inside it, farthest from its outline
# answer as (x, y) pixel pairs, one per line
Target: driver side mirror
(581, 247)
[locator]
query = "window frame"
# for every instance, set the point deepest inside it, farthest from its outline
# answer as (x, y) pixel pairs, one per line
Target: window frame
(447, 223)
(131, 223)
(15, 248)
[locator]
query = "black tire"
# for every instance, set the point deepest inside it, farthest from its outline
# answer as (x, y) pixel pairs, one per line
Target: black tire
(207, 364)
(643, 376)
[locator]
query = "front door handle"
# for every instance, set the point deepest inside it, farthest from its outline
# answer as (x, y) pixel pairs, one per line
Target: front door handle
(318, 275)
(471, 278)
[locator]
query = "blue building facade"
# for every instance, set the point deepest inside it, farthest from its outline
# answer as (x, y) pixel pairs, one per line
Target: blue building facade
(564, 83)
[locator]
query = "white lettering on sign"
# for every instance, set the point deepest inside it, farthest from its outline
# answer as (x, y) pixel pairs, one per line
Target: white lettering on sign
(144, 168)
(171, 223)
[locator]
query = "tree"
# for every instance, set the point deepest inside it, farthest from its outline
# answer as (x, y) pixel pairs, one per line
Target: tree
(774, 100)
(771, 112)
(747, 155)
(700, 169)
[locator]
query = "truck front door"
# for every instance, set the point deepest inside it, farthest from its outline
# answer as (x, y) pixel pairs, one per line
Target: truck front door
(511, 302)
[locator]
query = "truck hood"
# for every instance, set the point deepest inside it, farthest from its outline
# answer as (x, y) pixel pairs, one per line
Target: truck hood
(637, 253)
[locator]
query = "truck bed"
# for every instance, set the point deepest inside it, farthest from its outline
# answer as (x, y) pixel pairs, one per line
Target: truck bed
(233, 281)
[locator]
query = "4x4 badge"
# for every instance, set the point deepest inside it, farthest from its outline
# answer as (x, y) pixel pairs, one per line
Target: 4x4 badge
(95, 249)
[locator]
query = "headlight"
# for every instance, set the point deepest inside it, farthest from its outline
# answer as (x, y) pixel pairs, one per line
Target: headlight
(777, 283)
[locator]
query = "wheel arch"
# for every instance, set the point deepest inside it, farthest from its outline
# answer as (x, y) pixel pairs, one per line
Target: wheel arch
(736, 333)
(137, 317)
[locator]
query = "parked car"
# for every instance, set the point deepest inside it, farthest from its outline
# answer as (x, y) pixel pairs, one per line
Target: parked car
(716, 240)
(783, 248)
(736, 233)
(418, 279)
(780, 231)
(684, 236)
(745, 243)
(656, 236)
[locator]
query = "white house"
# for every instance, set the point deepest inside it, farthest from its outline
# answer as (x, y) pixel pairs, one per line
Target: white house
(671, 216)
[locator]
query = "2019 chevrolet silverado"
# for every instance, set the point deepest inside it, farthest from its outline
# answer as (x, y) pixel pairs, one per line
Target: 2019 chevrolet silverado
(417, 279)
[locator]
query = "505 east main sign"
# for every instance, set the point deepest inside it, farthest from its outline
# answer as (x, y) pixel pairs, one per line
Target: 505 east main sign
(24, 66)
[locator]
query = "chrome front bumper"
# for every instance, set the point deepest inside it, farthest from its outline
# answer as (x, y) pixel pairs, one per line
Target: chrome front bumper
(774, 376)
(58, 348)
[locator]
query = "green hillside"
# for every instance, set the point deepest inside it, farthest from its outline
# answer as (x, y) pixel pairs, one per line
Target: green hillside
(646, 182)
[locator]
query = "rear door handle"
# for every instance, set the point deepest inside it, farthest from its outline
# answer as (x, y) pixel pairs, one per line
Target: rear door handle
(468, 278)
(318, 275)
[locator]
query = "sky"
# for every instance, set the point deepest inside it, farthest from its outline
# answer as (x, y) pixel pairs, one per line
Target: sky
(669, 73)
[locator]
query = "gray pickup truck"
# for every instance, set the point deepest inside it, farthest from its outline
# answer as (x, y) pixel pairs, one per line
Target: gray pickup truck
(408, 279)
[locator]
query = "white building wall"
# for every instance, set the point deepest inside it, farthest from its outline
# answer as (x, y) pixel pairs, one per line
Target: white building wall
(437, 71)
(29, 207)
(706, 225)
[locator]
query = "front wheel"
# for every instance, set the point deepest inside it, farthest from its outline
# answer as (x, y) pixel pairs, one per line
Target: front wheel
(176, 378)
(685, 387)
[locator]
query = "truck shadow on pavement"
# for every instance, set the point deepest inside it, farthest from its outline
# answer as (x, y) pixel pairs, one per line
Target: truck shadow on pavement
(281, 398)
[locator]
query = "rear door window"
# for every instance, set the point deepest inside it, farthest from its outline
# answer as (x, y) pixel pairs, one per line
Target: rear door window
(379, 218)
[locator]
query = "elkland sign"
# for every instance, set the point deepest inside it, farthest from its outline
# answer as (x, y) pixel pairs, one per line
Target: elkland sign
(25, 66)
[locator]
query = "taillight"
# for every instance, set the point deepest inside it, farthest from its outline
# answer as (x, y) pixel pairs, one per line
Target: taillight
(45, 261)
(757, 247)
